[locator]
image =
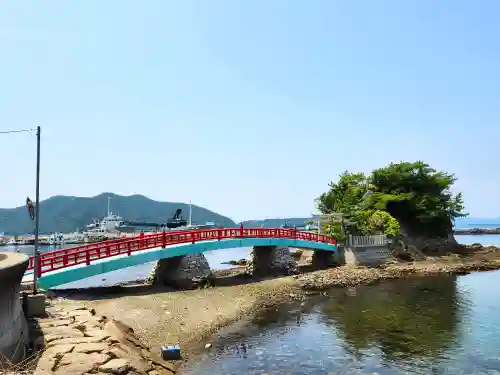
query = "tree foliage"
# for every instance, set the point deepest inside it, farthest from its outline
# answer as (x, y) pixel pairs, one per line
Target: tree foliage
(423, 193)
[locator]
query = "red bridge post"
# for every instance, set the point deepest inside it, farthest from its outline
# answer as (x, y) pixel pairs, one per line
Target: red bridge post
(241, 230)
(141, 240)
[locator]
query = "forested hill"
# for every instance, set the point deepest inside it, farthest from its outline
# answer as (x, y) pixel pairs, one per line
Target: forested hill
(66, 214)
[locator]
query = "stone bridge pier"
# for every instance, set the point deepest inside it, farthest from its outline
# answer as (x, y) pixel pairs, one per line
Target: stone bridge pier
(320, 259)
(185, 271)
(271, 261)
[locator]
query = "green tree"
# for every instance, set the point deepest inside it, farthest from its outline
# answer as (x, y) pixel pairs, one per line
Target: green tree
(424, 193)
(344, 197)
(428, 202)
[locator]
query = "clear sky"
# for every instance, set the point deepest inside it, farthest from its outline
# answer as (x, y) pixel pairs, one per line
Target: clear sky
(248, 108)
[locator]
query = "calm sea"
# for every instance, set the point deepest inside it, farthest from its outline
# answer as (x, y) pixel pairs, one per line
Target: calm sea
(215, 259)
(443, 325)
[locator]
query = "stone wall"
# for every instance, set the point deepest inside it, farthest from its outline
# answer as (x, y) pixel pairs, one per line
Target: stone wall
(368, 256)
(271, 261)
(320, 259)
(182, 271)
(13, 325)
(78, 342)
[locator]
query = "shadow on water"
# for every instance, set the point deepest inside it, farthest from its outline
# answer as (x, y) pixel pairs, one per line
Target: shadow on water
(410, 319)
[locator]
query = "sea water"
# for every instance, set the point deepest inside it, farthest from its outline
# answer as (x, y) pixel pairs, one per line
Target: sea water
(431, 325)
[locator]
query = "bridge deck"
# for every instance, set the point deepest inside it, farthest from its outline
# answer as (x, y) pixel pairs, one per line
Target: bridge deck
(66, 265)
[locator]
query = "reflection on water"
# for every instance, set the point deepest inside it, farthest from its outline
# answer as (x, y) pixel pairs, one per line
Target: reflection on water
(439, 325)
(411, 322)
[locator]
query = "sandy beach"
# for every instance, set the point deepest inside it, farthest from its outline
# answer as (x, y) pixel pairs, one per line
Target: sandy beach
(160, 315)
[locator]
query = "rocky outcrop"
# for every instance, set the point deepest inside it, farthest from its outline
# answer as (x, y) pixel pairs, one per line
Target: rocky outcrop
(433, 237)
(186, 271)
(416, 247)
(271, 261)
(80, 343)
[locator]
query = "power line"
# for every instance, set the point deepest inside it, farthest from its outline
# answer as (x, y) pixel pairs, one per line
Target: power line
(17, 131)
(36, 253)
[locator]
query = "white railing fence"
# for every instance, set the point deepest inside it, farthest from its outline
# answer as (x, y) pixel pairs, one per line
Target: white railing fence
(375, 240)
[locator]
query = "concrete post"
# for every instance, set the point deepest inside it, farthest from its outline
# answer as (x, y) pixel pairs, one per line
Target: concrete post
(13, 324)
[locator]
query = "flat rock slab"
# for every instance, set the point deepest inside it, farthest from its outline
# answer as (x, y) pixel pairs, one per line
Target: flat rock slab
(91, 347)
(45, 365)
(54, 322)
(59, 350)
(87, 324)
(134, 356)
(97, 334)
(49, 338)
(117, 366)
(63, 330)
(80, 363)
(79, 313)
(72, 340)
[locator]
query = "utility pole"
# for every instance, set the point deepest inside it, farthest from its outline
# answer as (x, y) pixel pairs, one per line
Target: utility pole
(36, 254)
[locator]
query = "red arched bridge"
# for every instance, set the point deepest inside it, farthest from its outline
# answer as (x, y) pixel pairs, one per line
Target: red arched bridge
(71, 264)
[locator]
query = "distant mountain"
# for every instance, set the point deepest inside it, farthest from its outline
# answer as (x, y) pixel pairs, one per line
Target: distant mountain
(66, 214)
(276, 223)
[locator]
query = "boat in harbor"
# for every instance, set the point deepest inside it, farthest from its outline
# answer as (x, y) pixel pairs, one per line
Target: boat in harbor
(177, 221)
(55, 239)
(115, 224)
(109, 224)
(14, 241)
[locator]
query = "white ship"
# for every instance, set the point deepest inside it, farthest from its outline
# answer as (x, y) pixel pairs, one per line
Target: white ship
(108, 225)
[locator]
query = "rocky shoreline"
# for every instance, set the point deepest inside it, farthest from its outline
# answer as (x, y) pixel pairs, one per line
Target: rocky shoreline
(164, 316)
(477, 231)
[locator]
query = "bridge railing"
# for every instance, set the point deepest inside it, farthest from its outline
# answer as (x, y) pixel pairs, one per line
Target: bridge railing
(85, 254)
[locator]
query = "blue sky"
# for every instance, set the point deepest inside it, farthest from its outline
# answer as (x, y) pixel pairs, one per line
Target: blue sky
(250, 107)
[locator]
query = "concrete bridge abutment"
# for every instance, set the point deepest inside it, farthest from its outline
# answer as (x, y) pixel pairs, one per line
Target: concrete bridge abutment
(14, 334)
(271, 261)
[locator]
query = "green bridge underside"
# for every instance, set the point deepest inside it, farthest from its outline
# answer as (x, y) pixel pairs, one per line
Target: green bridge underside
(101, 266)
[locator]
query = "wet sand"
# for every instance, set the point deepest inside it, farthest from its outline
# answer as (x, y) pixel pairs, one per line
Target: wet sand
(160, 315)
